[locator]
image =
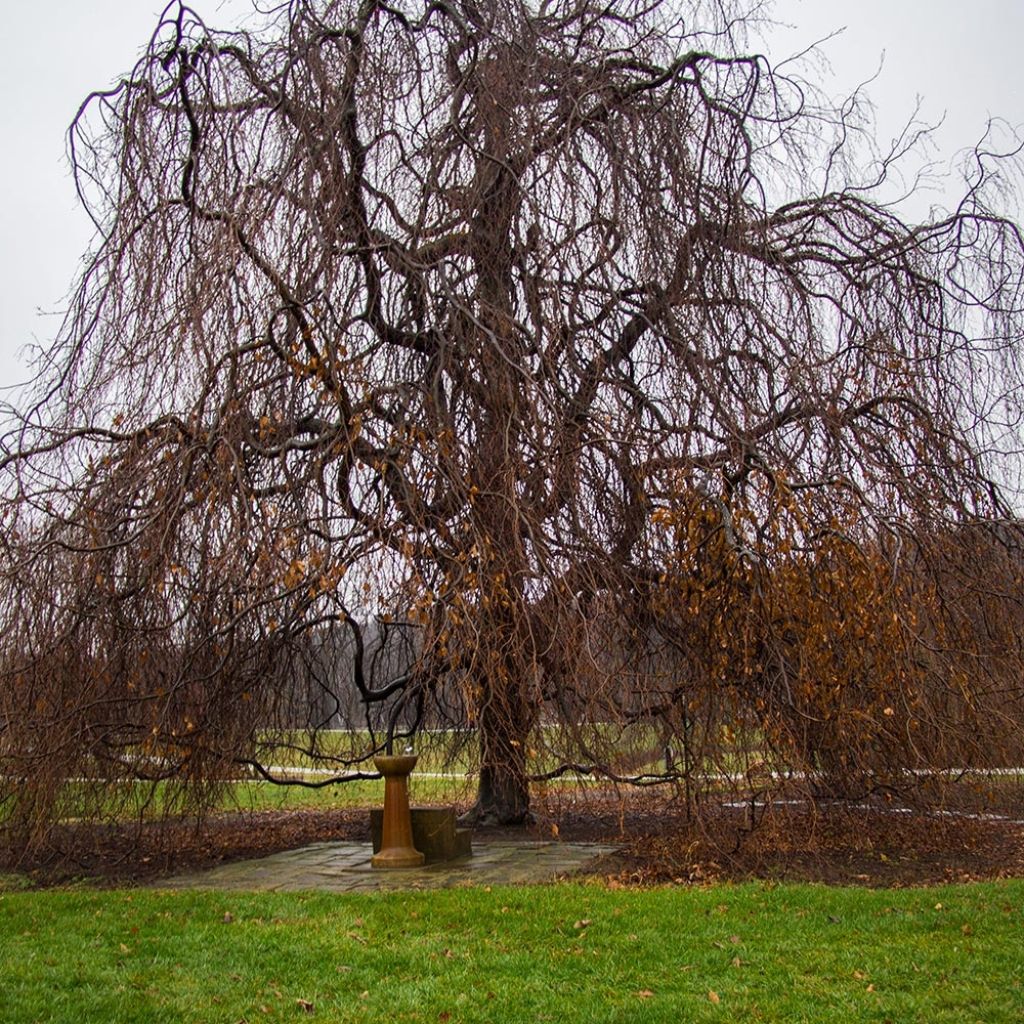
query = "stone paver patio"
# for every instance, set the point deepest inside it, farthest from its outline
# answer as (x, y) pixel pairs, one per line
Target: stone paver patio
(345, 867)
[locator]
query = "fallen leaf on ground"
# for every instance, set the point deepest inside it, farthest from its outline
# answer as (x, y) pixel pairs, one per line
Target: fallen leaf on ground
(305, 1005)
(583, 922)
(644, 993)
(714, 997)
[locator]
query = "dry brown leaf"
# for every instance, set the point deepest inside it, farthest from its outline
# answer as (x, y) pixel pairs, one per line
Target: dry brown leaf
(714, 997)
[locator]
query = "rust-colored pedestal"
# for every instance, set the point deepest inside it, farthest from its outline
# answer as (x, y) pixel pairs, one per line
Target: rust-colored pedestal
(396, 848)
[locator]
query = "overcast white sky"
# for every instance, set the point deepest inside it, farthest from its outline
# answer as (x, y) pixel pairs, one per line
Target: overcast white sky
(961, 58)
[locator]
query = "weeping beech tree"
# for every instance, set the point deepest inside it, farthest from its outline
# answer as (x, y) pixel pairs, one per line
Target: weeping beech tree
(549, 374)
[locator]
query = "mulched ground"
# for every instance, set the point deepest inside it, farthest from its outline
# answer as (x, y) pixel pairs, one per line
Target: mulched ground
(142, 852)
(860, 846)
(870, 846)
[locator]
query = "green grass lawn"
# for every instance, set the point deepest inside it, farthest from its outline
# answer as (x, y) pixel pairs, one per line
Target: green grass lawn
(130, 800)
(449, 751)
(437, 751)
(262, 796)
(559, 953)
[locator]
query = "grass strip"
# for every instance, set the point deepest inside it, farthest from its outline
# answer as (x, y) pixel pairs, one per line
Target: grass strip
(566, 953)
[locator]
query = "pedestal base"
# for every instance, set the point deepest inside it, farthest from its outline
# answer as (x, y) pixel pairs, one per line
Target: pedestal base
(397, 859)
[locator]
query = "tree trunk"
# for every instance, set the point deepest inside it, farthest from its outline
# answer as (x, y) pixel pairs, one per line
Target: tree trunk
(503, 794)
(504, 715)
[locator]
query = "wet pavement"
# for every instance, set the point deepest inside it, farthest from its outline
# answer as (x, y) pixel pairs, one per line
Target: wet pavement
(345, 867)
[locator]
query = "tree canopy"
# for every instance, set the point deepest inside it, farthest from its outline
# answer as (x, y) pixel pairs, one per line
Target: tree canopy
(566, 345)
